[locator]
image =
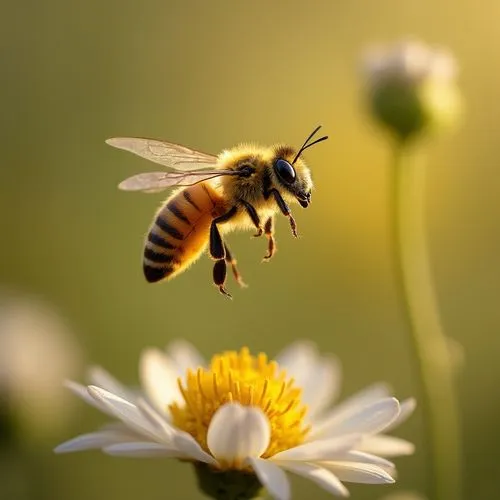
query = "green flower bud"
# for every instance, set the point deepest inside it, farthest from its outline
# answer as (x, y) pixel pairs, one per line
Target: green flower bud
(412, 88)
(229, 484)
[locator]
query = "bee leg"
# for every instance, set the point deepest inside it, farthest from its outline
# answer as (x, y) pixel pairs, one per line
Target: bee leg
(285, 210)
(216, 246)
(218, 251)
(254, 216)
(232, 261)
(271, 245)
(219, 275)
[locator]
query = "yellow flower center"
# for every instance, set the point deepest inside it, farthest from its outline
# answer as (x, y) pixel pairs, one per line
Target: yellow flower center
(251, 381)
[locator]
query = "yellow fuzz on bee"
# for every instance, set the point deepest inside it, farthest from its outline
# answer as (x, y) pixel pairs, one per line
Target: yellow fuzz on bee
(251, 381)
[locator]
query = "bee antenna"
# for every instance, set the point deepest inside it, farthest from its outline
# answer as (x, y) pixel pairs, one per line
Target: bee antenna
(307, 144)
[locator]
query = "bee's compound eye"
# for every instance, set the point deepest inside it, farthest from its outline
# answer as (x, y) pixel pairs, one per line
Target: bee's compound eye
(285, 171)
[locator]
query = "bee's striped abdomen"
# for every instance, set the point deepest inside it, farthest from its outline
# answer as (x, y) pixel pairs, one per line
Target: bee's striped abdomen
(179, 232)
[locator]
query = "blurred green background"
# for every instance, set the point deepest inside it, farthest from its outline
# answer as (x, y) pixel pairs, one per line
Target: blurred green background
(209, 75)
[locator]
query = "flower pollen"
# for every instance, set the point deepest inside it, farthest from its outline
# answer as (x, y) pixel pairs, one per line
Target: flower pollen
(251, 381)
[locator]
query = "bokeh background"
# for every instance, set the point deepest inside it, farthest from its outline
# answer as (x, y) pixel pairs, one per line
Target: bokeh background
(209, 75)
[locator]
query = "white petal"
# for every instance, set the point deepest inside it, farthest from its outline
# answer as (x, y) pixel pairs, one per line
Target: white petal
(407, 408)
(140, 450)
(322, 385)
(125, 411)
(361, 457)
(322, 477)
(353, 472)
(367, 395)
(318, 376)
(296, 356)
(95, 440)
(237, 432)
(323, 449)
(367, 419)
(387, 446)
(189, 448)
(82, 392)
(352, 404)
(272, 478)
(101, 378)
(159, 379)
(156, 419)
(185, 356)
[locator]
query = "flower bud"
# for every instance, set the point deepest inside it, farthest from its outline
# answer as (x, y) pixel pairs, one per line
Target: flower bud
(412, 88)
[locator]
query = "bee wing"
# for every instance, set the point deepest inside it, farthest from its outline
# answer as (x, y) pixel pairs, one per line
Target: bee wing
(153, 182)
(167, 154)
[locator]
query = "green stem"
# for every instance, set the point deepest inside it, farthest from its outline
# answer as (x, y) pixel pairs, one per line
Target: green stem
(429, 343)
(227, 485)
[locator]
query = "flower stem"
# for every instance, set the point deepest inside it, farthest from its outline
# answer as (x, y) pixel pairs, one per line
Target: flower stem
(227, 485)
(414, 279)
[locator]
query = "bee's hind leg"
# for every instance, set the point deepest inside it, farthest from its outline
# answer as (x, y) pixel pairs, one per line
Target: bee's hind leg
(232, 262)
(271, 244)
(219, 274)
(218, 251)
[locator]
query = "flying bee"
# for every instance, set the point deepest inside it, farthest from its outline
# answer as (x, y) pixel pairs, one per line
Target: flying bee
(241, 188)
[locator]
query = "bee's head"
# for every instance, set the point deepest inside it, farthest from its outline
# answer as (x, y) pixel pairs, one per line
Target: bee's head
(292, 173)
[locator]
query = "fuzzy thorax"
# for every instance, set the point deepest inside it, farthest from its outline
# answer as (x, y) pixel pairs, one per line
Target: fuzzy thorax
(262, 159)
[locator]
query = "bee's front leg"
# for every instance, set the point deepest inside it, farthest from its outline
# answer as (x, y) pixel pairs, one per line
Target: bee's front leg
(285, 210)
(252, 213)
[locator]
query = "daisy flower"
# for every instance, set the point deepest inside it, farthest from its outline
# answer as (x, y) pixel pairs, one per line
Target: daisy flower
(246, 417)
(33, 404)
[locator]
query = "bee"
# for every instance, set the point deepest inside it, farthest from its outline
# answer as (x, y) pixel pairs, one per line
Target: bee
(241, 188)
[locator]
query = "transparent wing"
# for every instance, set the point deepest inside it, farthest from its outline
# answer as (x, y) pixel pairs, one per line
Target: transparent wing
(153, 182)
(165, 153)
